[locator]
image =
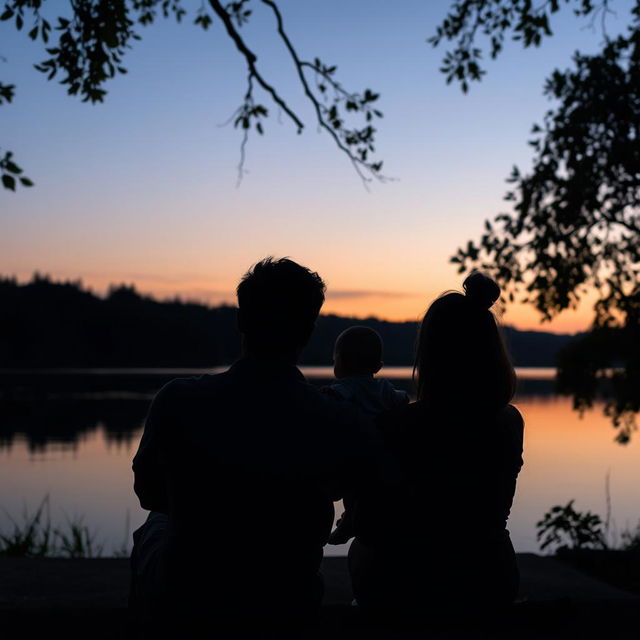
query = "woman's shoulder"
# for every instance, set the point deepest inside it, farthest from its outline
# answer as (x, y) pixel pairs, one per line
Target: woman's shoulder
(511, 426)
(510, 418)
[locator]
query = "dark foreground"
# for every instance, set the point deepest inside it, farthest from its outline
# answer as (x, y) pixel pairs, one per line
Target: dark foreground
(49, 598)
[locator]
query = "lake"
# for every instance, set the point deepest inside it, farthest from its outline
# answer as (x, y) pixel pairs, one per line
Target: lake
(71, 435)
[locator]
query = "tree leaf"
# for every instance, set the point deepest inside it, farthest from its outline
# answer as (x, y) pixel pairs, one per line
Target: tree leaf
(9, 182)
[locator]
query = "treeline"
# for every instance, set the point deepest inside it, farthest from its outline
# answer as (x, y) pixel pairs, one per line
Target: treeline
(61, 324)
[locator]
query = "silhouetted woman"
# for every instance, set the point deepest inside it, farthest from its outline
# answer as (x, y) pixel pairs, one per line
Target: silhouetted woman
(439, 546)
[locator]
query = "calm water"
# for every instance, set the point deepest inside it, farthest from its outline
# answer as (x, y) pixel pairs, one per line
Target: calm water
(74, 442)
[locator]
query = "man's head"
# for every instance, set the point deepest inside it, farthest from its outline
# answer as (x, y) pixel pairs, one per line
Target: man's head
(278, 303)
(358, 351)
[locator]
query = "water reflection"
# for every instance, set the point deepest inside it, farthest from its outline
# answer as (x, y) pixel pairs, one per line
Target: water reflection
(54, 408)
(75, 443)
(65, 421)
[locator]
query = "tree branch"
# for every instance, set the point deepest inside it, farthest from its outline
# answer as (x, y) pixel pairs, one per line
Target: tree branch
(251, 59)
(299, 64)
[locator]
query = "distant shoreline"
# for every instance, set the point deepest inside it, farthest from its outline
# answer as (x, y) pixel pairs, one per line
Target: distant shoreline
(49, 325)
(310, 371)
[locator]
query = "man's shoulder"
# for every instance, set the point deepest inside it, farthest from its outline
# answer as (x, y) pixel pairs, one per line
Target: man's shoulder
(188, 386)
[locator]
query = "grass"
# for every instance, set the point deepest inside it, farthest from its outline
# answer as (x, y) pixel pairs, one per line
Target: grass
(33, 538)
(36, 537)
(123, 550)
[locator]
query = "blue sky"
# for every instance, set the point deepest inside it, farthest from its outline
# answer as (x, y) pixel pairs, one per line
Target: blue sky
(143, 187)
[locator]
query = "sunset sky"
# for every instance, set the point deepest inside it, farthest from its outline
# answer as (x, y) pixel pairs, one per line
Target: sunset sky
(142, 189)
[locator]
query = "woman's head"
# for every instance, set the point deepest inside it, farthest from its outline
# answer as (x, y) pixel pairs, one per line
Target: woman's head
(460, 353)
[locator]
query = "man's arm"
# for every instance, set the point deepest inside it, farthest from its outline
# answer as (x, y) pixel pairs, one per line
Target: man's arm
(149, 481)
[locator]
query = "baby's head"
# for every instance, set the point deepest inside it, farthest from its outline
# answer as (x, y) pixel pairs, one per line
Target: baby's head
(358, 351)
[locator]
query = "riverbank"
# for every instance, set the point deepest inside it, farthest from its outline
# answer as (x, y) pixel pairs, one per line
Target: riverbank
(87, 599)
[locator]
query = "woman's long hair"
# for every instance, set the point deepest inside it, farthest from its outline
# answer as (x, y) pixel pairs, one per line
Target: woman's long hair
(461, 356)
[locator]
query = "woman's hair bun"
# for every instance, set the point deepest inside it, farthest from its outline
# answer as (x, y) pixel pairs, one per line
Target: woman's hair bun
(481, 289)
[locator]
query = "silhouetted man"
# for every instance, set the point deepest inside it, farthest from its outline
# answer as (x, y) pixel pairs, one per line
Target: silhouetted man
(246, 465)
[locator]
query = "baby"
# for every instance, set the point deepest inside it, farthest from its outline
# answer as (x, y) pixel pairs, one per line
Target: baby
(357, 357)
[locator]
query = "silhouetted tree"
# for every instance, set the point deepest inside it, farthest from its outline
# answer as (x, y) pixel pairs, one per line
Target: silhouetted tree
(90, 40)
(575, 225)
(61, 324)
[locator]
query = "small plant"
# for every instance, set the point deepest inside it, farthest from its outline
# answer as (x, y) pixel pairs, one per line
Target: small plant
(36, 538)
(123, 550)
(32, 539)
(630, 540)
(562, 527)
(78, 542)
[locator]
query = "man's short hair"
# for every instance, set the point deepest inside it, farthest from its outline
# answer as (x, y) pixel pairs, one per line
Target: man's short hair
(360, 349)
(279, 302)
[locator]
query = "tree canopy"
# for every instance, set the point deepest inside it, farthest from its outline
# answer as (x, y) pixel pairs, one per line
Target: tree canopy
(575, 223)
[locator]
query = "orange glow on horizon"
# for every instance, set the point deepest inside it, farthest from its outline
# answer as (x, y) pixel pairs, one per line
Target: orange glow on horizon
(392, 306)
